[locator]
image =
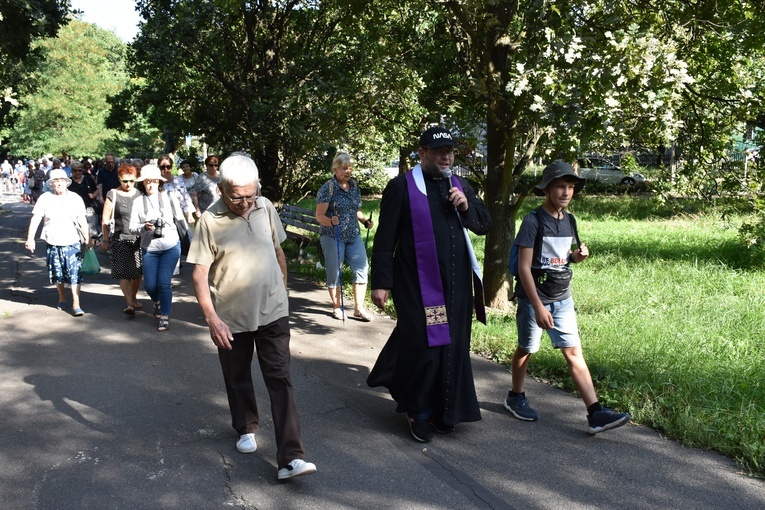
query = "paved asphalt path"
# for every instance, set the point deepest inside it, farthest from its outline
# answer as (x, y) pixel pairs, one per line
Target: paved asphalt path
(103, 412)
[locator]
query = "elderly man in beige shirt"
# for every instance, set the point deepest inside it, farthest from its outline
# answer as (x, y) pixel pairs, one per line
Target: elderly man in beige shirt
(240, 281)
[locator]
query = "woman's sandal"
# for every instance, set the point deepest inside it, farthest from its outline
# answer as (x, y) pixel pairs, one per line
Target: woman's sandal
(137, 305)
(164, 324)
(130, 310)
(156, 310)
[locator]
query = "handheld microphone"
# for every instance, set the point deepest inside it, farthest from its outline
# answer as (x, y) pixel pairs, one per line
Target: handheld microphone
(447, 176)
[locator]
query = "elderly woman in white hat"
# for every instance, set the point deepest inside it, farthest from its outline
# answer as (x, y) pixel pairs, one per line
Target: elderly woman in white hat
(64, 228)
(153, 217)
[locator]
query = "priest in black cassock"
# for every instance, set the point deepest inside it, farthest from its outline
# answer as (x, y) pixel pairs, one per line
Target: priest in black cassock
(422, 255)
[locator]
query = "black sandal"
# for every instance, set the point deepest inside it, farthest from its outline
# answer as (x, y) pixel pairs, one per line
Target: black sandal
(156, 310)
(164, 324)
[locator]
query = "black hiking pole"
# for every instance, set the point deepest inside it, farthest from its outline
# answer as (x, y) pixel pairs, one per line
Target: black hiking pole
(366, 242)
(339, 266)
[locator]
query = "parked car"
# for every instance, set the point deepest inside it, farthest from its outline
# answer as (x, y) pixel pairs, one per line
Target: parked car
(599, 169)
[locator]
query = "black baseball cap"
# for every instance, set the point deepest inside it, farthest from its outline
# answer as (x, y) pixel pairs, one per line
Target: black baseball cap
(435, 137)
(556, 170)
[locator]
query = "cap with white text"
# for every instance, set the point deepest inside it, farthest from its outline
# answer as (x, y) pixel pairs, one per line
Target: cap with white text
(435, 137)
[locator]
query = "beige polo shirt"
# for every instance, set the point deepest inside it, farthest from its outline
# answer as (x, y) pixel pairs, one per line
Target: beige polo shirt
(245, 280)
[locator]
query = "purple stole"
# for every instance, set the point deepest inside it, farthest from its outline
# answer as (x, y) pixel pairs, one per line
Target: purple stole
(431, 287)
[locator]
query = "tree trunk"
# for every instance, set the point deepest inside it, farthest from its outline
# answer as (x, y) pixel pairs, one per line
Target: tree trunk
(268, 170)
(403, 160)
(497, 286)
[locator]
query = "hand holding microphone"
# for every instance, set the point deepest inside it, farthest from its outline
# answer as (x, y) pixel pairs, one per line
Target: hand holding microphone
(454, 195)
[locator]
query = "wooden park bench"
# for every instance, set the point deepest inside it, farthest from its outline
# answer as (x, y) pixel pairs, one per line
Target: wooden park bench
(306, 229)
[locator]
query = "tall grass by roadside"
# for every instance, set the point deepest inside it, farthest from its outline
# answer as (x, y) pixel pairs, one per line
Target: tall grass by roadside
(671, 313)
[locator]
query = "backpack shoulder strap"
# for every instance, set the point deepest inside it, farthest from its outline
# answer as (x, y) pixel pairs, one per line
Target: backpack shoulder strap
(176, 216)
(539, 236)
(572, 219)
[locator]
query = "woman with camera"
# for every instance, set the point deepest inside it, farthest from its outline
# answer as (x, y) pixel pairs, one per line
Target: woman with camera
(153, 218)
(124, 246)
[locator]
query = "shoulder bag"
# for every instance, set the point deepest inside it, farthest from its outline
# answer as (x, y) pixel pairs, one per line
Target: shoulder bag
(182, 226)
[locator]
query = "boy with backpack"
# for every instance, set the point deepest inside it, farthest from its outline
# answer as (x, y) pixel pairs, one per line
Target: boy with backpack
(542, 252)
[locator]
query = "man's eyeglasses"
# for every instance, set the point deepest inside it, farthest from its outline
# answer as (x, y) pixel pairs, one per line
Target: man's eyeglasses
(127, 181)
(442, 151)
(239, 200)
(76, 169)
(165, 167)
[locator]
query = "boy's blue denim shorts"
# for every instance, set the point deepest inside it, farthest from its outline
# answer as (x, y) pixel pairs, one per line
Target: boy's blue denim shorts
(565, 333)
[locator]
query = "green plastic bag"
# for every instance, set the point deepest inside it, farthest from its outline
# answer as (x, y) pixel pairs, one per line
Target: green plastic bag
(90, 265)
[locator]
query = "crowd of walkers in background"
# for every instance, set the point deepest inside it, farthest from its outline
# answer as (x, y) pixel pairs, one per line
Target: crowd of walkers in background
(92, 179)
(136, 210)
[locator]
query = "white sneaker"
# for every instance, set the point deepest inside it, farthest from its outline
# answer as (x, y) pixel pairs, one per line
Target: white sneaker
(297, 467)
(362, 315)
(246, 443)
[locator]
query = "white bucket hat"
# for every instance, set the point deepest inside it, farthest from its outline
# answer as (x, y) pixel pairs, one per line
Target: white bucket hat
(59, 174)
(150, 172)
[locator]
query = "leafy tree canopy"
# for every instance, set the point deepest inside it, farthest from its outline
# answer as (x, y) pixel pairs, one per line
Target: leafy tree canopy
(80, 68)
(561, 78)
(290, 82)
(21, 23)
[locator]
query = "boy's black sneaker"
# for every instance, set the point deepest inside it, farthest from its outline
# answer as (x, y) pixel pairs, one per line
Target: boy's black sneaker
(606, 419)
(421, 430)
(519, 406)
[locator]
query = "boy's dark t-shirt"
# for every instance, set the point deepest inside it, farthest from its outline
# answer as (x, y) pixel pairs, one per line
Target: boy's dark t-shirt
(557, 238)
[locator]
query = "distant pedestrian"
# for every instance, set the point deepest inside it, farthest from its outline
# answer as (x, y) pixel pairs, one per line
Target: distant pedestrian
(36, 179)
(188, 175)
(6, 171)
(63, 215)
(240, 281)
(85, 186)
(548, 305)
(338, 211)
(175, 186)
(107, 178)
(18, 178)
(206, 189)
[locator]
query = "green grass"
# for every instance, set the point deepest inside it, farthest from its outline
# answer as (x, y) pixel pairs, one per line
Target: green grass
(671, 314)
